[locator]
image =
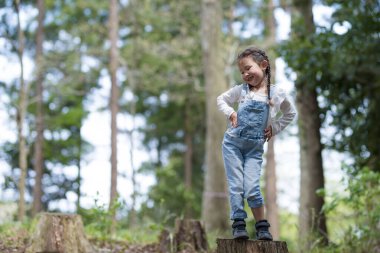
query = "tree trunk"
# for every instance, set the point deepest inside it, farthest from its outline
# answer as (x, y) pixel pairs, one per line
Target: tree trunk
(114, 97)
(79, 176)
(215, 201)
(188, 156)
(250, 246)
(188, 160)
(133, 214)
(38, 148)
(189, 147)
(132, 73)
(271, 191)
(59, 233)
(312, 220)
(270, 170)
(21, 114)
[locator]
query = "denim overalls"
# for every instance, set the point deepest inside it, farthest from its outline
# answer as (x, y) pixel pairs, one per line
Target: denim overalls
(242, 153)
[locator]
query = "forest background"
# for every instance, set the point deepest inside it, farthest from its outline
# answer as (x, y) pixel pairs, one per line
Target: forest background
(151, 71)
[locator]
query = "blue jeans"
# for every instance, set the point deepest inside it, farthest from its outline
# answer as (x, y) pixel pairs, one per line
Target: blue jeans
(242, 162)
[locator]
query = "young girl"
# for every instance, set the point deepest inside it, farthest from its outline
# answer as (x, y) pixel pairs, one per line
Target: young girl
(254, 123)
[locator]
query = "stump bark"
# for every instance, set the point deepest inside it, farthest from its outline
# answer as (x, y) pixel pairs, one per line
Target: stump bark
(250, 246)
(189, 236)
(59, 233)
(165, 242)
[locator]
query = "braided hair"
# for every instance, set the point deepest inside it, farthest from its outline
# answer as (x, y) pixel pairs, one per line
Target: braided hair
(258, 56)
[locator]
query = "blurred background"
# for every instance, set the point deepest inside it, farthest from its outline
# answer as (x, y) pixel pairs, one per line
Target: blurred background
(108, 109)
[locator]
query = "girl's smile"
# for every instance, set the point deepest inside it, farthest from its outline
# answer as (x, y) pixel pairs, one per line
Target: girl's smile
(253, 73)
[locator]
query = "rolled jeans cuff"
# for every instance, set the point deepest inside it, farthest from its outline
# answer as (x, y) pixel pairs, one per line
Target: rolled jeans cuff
(255, 202)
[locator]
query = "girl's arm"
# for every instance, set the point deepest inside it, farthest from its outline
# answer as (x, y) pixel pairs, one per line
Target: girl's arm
(288, 114)
(227, 99)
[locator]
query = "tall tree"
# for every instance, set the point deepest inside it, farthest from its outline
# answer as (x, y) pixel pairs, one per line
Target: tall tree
(189, 146)
(215, 202)
(131, 70)
(21, 114)
(38, 146)
(270, 168)
(114, 96)
(312, 220)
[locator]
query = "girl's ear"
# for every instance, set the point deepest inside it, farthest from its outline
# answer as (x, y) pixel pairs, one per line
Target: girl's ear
(264, 64)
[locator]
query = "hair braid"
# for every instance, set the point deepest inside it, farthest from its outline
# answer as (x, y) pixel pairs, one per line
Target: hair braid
(258, 56)
(268, 72)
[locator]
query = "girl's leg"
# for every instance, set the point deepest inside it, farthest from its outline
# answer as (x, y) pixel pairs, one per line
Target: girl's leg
(258, 213)
(262, 225)
(233, 163)
(252, 172)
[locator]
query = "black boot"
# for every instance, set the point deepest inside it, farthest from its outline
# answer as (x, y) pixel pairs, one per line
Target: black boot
(239, 231)
(262, 231)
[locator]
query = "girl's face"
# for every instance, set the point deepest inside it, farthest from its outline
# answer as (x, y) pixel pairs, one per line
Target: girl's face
(251, 72)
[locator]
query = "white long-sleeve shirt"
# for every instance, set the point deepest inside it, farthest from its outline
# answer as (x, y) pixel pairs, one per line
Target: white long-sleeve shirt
(280, 101)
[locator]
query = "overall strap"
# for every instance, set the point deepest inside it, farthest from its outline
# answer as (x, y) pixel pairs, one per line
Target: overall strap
(244, 91)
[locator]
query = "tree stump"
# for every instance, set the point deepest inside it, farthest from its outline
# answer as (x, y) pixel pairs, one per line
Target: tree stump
(250, 246)
(189, 236)
(59, 233)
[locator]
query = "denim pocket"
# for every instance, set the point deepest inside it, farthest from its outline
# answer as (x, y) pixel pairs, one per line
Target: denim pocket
(234, 131)
(252, 117)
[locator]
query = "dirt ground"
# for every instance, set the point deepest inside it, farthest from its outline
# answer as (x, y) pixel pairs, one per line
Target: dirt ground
(14, 245)
(100, 248)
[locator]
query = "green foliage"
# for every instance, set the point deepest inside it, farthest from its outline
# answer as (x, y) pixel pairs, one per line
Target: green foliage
(99, 219)
(98, 224)
(289, 229)
(169, 199)
(355, 81)
(343, 68)
(143, 234)
(354, 215)
(68, 81)
(364, 199)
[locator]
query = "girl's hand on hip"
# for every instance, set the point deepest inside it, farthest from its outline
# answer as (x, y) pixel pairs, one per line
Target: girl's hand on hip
(268, 133)
(233, 119)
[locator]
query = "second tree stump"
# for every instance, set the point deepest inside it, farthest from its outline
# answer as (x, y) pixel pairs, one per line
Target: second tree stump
(59, 233)
(189, 236)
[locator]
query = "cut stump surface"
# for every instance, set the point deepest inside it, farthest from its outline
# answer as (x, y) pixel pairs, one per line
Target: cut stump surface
(250, 246)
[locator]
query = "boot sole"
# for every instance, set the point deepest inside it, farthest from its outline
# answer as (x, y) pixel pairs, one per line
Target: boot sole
(265, 239)
(241, 237)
